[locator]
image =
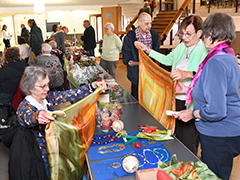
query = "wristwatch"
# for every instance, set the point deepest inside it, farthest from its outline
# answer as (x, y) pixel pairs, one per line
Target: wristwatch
(193, 73)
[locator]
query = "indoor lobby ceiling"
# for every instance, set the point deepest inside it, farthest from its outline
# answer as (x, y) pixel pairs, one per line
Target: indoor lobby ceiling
(19, 3)
(13, 7)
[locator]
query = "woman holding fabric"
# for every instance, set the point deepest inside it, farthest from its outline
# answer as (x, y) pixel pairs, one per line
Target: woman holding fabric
(215, 91)
(184, 59)
(111, 48)
(32, 112)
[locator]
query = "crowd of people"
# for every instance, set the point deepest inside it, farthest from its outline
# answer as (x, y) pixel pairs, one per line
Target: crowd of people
(206, 72)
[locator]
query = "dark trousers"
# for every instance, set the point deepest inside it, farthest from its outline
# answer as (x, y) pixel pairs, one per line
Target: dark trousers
(134, 90)
(109, 66)
(218, 153)
(7, 43)
(186, 132)
(91, 52)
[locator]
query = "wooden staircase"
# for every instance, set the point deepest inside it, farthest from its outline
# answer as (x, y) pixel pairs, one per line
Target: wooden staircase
(162, 20)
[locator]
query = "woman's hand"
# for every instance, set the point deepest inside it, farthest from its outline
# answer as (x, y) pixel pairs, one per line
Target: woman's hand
(43, 117)
(178, 74)
(184, 115)
(97, 84)
(144, 47)
(180, 88)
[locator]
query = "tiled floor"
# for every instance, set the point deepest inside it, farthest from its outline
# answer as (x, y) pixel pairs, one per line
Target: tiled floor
(122, 79)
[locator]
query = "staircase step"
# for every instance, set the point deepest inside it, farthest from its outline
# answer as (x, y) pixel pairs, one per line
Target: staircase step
(159, 28)
(165, 15)
(160, 23)
(163, 18)
(167, 12)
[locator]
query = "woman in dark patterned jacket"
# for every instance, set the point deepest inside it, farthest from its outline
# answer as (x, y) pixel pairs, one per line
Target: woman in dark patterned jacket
(32, 112)
(52, 64)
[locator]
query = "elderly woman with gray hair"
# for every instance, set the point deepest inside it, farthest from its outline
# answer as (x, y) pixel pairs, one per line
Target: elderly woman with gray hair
(111, 48)
(32, 111)
(52, 64)
(215, 91)
(56, 51)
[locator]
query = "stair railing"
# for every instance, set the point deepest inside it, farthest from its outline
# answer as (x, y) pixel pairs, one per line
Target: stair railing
(174, 19)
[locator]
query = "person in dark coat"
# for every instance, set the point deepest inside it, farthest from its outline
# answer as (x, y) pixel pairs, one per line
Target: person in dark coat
(89, 38)
(10, 74)
(59, 37)
(25, 33)
(36, 38)
(146, 35)
(25, 157)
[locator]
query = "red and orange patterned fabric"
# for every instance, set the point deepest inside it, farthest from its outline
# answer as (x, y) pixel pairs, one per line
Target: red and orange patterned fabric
(156, 90)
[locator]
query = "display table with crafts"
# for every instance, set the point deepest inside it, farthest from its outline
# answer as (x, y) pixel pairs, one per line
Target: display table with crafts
(106, 164)
(128, 142)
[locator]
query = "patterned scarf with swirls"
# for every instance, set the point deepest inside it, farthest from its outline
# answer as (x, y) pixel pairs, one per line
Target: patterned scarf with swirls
(220, 49)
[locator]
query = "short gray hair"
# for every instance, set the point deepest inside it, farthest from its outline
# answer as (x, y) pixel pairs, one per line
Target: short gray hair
(46, 48)
(110, 25)
(220, 26)
(31, 75)
(53, 44)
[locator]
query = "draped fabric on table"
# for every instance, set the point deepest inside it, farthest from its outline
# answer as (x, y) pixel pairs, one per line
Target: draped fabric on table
(156, 90)
(73, 82)
(68, 138)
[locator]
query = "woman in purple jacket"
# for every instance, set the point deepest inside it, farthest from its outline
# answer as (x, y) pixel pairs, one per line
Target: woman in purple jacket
(215, 91)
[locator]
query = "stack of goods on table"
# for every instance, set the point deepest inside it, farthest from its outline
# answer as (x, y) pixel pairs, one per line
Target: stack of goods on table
(83, 68)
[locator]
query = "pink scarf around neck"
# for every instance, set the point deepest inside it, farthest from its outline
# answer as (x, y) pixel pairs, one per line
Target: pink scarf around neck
(222, 48)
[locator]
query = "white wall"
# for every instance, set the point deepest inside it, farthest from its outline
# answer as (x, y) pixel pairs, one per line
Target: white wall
(71, 19)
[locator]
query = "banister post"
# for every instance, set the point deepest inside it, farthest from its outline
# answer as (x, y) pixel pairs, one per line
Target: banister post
(236, 6)
(209, 6)
(160, 5)
(194, 6)
(186, 11)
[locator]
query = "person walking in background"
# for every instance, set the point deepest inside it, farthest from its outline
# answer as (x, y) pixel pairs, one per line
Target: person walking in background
(59, 37)
(6, 36)
(55, 28)
(24, 49)
(146, 9)
(36, 38)
(88, 38)
(144, 34)
(111, 48)
(25, 33)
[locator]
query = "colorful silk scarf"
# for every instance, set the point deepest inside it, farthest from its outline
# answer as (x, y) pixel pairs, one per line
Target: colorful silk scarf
(220, 49)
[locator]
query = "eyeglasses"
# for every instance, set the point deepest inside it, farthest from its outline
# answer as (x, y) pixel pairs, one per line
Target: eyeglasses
(45, 86)
(187, 34)
(106, 29)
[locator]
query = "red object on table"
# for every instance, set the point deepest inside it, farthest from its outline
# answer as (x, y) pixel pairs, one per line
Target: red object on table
(161, 175)
(138, 145)
(146, 128)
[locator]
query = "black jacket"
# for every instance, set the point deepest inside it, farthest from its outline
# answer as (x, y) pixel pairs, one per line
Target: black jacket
(130, 52)
(36, 40)
(89, 38)
(25, 158)
(25, 34)
(10, 75)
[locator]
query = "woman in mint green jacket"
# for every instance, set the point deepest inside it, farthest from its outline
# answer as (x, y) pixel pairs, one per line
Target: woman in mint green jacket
(184, 59)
